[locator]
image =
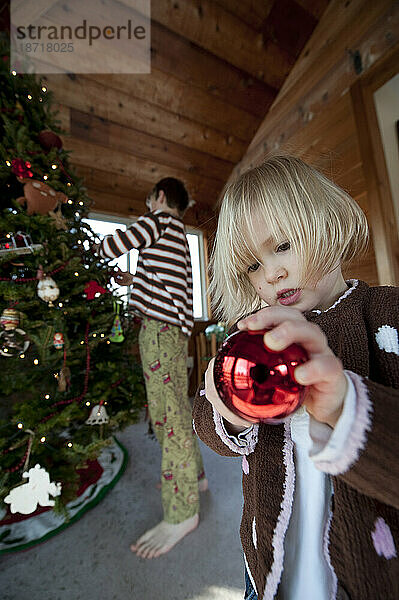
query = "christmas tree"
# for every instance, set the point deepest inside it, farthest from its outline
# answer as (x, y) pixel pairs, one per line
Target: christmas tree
(66, 386)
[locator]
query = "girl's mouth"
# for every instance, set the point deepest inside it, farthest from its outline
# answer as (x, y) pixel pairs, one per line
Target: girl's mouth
(287, 297)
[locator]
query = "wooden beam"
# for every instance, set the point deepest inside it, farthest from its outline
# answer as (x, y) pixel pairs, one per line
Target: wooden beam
(89, 96)
(252, 12)
(176, 56)
(289, 26)
(114, 183)
(117, 137)
(317, 90)
(104, 201)
(201, 216)
(99, 157)
(314, 7)
(209, 26)
(169, 93)
(63, 116)
(345, 27)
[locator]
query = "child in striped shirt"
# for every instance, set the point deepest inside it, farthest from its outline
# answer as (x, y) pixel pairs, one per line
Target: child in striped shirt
(162, 295)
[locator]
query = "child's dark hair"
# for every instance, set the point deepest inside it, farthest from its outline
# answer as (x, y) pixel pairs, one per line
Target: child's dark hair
(175, 192)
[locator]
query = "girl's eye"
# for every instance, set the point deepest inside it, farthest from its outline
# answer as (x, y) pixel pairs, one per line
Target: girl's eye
(283, 247)
(253, 268)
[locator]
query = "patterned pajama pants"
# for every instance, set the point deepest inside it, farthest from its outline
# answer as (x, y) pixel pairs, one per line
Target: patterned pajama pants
(163, 351)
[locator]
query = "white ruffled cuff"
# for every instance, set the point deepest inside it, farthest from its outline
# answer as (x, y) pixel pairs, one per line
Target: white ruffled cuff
(335, 450)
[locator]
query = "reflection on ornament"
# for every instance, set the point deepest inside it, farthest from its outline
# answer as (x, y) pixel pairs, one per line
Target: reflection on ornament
(98, 415)
(25, 498)
(47, 290)
(13, 342)
(255, 383)
(9, 318)
(58, 340)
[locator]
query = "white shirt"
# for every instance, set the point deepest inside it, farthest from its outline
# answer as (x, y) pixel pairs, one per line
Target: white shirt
(306, 573)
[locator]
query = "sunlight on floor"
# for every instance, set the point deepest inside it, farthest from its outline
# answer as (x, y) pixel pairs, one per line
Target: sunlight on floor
(220, 593)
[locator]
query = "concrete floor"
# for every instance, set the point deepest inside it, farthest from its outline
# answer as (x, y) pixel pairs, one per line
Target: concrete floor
(91, 559)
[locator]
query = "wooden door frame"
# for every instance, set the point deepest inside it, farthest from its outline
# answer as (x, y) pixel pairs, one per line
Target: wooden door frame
(382, 220)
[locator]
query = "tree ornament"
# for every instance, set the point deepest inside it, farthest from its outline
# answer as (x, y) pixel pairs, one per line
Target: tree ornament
(94, 290)
(13, 342)
(17, 243)
(58, 341)
(98, 415)
(47, 290)
(25, 498)
(49, 140)
(39, 197)
(20, 168)
(256, 383)
(64, 379)
(58, 218)
(9, 318)
(116, 330)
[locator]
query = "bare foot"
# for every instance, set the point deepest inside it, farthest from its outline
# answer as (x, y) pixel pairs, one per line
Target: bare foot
(202, 485)
(163, 537)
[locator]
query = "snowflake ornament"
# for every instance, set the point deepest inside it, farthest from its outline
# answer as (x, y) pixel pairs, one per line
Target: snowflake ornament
(25, 498)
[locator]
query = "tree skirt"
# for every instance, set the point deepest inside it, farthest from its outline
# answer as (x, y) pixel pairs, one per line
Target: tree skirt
(19, 532)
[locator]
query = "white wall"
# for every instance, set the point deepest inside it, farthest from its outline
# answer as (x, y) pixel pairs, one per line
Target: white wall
(386, 100)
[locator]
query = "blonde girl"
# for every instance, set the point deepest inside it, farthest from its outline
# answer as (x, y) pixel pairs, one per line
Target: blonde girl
(320, 507)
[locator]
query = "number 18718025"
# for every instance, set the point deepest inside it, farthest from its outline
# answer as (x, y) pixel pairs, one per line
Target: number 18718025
(46, 47)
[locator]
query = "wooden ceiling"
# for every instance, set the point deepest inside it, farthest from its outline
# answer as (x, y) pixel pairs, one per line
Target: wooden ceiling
(216, 67)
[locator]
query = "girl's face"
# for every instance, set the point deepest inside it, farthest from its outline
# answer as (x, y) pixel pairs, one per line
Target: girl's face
(275, 277)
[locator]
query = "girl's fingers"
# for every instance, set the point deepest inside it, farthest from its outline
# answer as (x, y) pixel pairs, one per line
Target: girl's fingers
(322, 371)
(270, 317)
(308, 335)
(327, 389)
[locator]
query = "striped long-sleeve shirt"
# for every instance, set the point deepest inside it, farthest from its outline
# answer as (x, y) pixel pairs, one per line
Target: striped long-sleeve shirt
(162, 284)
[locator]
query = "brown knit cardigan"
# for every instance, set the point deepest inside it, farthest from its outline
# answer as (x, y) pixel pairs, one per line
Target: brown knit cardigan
(362, 536)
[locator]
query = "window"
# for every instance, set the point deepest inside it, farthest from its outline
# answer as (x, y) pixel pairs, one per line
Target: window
(195, 240)
(104, 225)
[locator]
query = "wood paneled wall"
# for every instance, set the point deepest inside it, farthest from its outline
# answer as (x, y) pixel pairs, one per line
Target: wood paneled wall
(317, 116)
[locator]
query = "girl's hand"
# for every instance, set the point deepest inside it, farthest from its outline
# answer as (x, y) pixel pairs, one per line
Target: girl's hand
(237, 423)
(322, 373)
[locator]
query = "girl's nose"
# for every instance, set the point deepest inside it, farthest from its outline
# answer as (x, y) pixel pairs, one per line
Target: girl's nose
(275, 274)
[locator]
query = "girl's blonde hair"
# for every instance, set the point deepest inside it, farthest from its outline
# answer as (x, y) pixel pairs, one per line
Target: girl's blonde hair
(323, 224)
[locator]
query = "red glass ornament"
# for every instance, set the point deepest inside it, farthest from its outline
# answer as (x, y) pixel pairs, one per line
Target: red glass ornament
(256, 383)
(48, 140)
